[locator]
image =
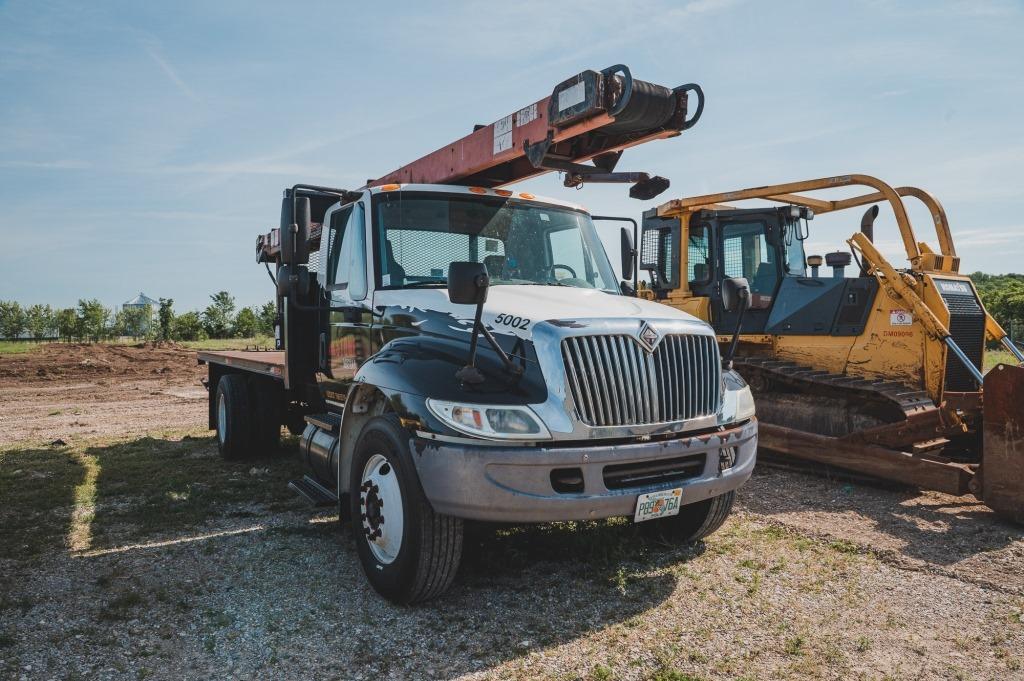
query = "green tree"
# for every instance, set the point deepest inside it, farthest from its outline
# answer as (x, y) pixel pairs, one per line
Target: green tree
(39, 320)
(166, 315)
(246, 323)
(219, 316)
(12, 319)
(93, 320)
(267, 313)
(67, 324)
(188, 327)
(133, 321)
(1003, 296)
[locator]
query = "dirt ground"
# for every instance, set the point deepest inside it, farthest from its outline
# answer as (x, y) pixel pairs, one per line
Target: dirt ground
(70, 390)
(129, 549)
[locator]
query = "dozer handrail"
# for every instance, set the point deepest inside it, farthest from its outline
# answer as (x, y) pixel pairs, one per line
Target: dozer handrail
(935, 209)
(784, 193)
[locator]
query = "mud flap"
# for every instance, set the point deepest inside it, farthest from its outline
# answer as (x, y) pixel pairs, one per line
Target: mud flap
(1002, 463)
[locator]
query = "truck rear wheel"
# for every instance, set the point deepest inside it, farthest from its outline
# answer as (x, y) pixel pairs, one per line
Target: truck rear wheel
(408, 552)
(234, 420)
(695, 521)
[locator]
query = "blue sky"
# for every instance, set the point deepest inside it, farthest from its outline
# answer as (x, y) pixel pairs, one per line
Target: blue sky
(143, 146)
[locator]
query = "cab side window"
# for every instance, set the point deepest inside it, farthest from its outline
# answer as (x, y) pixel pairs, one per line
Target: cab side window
(346, 263)
(746, 253)
(698, 261)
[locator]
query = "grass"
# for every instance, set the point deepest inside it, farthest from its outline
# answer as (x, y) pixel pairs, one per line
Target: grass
(230, 343)
(87, 495)
(994, 357)
(8, 347)
(21, 347)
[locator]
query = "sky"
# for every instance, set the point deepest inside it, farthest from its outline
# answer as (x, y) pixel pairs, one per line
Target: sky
(143, 146)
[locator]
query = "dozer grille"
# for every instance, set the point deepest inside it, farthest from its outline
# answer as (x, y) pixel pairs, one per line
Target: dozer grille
(616, 382)
(967, 327)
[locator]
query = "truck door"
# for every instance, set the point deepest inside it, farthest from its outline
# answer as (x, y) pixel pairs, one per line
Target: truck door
(747, 248)
(345, 340)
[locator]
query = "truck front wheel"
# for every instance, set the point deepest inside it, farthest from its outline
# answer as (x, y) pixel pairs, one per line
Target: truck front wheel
(408, 552)
(234, 420)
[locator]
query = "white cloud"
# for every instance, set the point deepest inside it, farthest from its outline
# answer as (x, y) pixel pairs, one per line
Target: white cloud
(60, 164)
(172, 74)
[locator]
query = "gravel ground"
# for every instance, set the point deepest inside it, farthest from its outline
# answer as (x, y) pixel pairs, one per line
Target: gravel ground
(128, 557)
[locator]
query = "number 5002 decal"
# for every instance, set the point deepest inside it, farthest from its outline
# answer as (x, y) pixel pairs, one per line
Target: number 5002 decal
(514, 322)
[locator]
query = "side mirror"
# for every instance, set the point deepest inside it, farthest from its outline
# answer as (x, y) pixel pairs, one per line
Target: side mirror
(467, 283)
(628, 253)
(735, 298)
(295, 231)
(736, 294)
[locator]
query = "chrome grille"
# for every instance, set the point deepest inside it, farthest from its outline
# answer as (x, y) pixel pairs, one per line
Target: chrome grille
(616, 382)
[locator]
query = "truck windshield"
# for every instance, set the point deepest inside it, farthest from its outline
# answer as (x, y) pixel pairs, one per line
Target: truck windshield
(420, 233)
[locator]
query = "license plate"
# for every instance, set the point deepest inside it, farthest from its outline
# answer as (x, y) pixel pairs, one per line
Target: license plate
(658, 504)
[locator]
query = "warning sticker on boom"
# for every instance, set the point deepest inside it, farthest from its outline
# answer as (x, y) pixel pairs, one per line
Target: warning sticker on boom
(571, 96)
(503, 134)
(526, 115)
(900, 318)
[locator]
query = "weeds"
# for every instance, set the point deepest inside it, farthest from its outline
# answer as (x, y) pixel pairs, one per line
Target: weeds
(121, 606)
(795, 645)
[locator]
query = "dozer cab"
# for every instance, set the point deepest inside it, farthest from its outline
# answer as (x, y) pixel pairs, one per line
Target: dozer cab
(853, 362)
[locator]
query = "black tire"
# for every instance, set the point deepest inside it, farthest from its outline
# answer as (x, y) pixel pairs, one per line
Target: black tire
(430, 548)
(695, 521)
(234, 420)
(266, 396)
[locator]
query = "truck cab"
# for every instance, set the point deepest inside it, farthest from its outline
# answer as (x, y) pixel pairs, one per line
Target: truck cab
(546, 393)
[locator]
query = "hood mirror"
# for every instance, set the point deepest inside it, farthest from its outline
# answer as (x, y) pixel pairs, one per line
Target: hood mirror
(467, 285)
(735, 298)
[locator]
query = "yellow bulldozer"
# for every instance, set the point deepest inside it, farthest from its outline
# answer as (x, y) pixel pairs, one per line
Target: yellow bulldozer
(878, 371)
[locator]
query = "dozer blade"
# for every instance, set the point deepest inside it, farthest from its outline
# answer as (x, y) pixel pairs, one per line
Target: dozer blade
(1002, 462)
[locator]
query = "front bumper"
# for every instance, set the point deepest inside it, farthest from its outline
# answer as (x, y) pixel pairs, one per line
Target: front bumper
(514, 484)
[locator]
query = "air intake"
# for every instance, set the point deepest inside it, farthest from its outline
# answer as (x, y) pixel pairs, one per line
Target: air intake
(615, 381)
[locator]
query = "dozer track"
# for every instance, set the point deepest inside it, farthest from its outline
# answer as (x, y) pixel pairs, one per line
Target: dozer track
(806, 380)
(879, 427)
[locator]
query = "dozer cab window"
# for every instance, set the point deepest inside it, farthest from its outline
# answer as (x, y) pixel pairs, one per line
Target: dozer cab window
(698, 265)
(747, 253)
(796, 262)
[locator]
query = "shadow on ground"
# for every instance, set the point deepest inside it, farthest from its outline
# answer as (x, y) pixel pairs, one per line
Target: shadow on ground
(931, 527)
(160, 540)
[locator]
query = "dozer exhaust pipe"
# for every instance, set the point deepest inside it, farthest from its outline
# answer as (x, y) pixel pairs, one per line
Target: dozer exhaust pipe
(867, 228)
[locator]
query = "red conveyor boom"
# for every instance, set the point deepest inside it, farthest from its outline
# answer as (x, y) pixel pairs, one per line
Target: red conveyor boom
(592, 116)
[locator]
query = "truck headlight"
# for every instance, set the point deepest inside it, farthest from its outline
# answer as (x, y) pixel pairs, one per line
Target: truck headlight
(497, 422)
(744, 403)
(737, 400)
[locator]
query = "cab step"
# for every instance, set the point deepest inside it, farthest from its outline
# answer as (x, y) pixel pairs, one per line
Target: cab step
(328, 421)
(313, 492)
(930, 445)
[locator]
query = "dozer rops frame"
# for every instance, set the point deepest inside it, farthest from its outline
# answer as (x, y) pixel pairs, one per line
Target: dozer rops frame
(879, 373)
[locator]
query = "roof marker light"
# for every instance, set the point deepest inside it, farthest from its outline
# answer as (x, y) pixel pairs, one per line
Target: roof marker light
(526, 195)
(390, 187)
(478, 190)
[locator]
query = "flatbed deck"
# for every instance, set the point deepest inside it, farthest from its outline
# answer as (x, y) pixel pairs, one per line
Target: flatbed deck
(268, 362)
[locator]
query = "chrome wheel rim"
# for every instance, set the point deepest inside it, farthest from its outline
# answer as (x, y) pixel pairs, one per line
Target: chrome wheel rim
(380, 509)
(222, 418)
